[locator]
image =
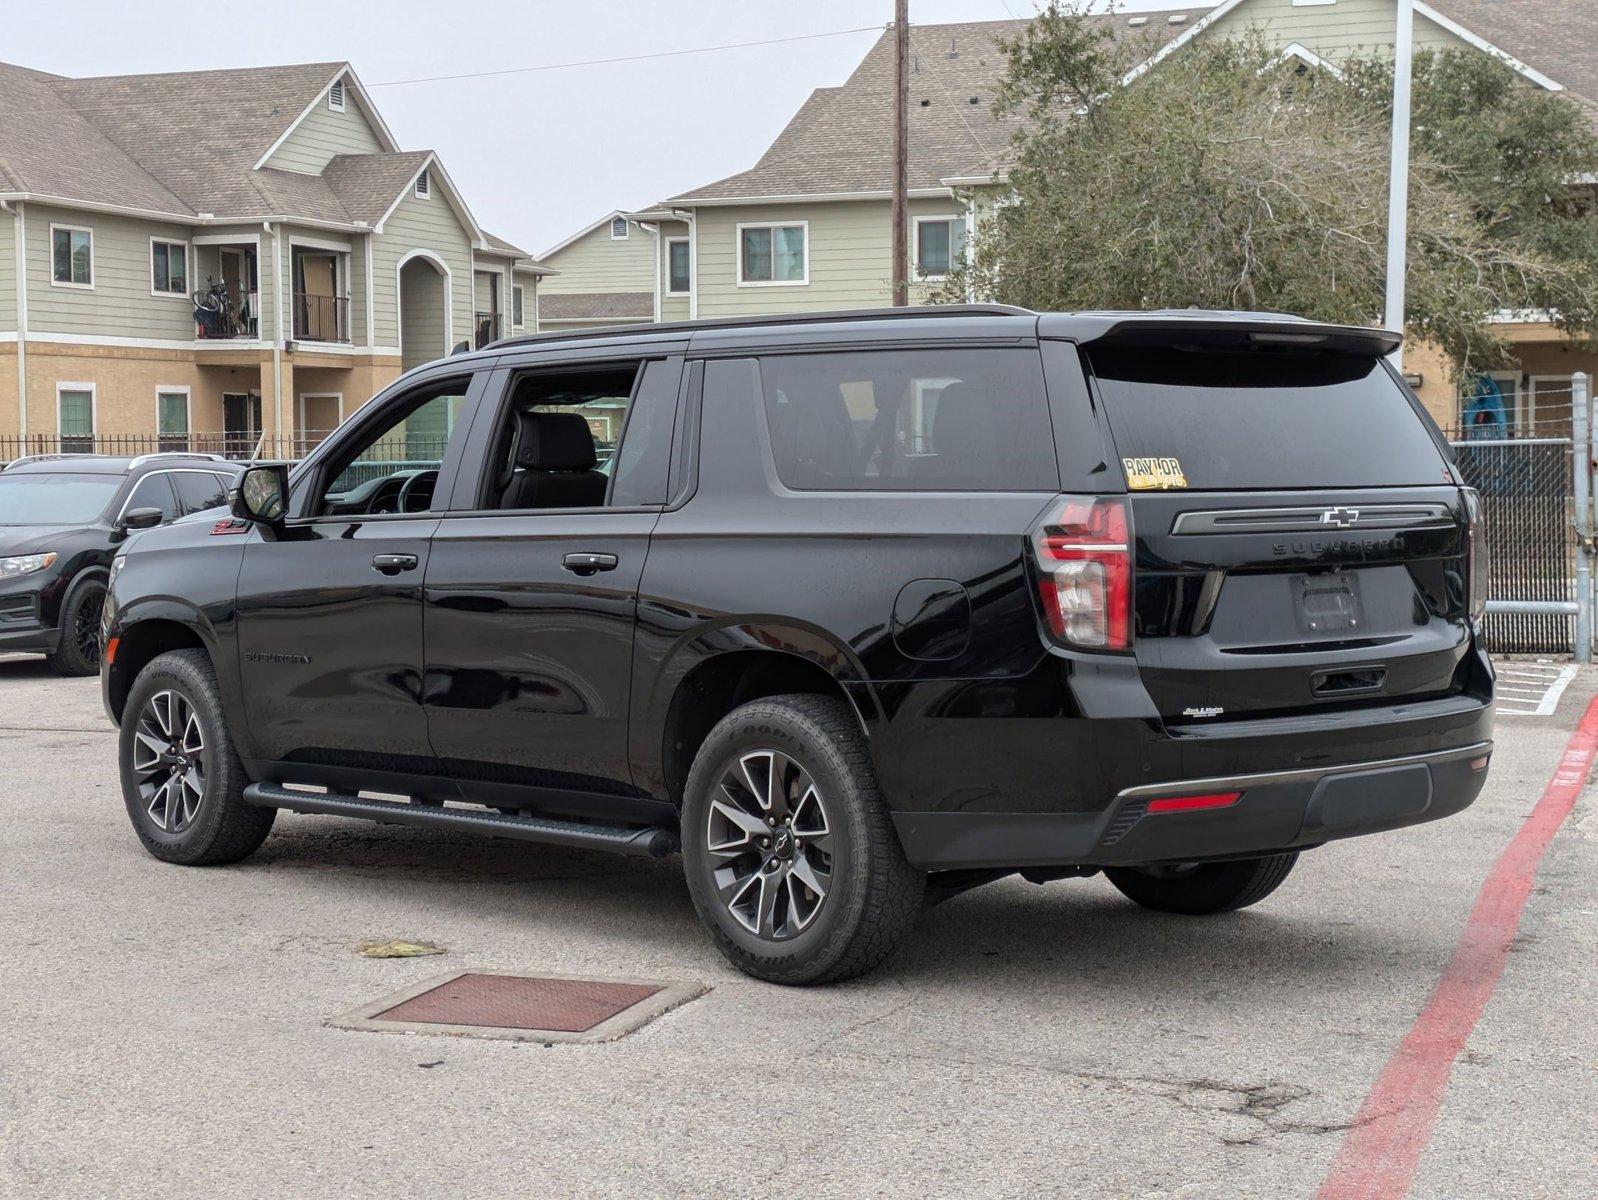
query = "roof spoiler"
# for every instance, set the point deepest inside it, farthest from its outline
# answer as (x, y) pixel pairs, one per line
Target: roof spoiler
(1241, 331)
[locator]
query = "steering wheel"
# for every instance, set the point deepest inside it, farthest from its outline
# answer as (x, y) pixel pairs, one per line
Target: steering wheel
(409, 486)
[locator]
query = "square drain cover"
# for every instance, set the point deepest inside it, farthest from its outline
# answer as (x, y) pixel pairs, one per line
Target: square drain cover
(511, 1004)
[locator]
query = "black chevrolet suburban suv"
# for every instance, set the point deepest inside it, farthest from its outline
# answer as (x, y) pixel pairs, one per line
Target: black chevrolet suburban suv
(865, 609)
(62, 517)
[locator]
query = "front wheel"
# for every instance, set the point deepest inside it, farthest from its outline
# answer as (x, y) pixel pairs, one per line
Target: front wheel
(1196, 889)
(181, 776)
(79, 650)
(791, 858)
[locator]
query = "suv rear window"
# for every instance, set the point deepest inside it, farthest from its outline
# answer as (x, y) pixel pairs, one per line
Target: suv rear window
(1241, 419)
(968, 420)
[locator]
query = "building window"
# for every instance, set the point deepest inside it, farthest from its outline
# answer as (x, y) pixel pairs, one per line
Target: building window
(516, 309)
(74, 403)
(679, 280)
(71, 256)
(618, 229)
(424, 187)
(939, 245)
(335, 96)
(169, 268)
(172, 418)
(773, 254)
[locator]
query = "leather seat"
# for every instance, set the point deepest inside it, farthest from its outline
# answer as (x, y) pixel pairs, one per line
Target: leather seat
(964, 439)
(554, 463)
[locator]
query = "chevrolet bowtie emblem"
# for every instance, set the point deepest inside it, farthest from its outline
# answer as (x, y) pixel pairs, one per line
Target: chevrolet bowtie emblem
(1342, 518)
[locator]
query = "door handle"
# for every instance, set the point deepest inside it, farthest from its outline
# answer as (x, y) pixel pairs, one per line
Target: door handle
(586, 563)
(393, 564)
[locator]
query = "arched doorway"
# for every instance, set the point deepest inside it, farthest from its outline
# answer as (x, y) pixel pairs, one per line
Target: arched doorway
(423, 309)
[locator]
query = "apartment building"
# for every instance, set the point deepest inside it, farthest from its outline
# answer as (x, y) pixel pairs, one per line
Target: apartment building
(808, 226)
(208, 257)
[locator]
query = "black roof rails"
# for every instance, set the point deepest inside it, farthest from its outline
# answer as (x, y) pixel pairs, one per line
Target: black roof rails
(802, 318)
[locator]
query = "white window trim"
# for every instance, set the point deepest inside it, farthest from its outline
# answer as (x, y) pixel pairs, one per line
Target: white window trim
(626, 229)
(518, 303)
(50, 250)
(94, 407)
(422, 187)
(915, 243)
(188, 267)
(337, 86)
(304, 396)
(686, 241)
(738, 256)
(188, 408)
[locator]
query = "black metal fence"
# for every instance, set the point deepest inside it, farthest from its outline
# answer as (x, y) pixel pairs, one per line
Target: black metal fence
(1525, 486)
(227, 444)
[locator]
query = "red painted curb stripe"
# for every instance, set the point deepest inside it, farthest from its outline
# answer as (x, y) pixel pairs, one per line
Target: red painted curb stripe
(1379, 1156)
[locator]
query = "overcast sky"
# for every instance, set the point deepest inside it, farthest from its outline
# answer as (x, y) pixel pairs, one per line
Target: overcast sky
(538, 154)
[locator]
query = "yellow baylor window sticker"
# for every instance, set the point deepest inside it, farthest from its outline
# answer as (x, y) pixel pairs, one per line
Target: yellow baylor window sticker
(1150, 474)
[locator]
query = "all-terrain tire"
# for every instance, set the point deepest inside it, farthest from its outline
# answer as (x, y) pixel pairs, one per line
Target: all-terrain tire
(79, 650)
(1204, 887)
(873, 896)
(224, 827)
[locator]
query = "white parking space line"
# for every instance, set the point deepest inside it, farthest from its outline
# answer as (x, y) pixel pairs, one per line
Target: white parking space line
(1532, 689)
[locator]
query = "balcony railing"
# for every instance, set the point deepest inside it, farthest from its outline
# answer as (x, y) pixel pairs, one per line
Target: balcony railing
(321, 318)
(485, 328)
(234, 444)
(227, 316)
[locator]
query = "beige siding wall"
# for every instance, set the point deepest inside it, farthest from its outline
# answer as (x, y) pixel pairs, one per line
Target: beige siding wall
(850, 246)
(528, 282)
(323, 134)
(8, 274)
(120, 303)
(596, 262)
(1334, 31)
(430, 225)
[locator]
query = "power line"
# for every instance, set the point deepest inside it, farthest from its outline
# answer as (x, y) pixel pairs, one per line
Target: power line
(598, 62)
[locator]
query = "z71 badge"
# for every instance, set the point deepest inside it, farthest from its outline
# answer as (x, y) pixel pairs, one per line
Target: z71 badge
(1153, 474)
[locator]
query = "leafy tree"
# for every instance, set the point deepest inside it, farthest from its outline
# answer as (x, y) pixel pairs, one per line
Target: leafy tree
(1228, 177)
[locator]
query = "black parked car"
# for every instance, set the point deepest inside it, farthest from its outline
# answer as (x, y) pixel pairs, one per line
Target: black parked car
(62, 517)
(872, 608)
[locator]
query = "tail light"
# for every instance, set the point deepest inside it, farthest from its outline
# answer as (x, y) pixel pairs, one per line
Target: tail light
(1476, 572)
(1084, 556)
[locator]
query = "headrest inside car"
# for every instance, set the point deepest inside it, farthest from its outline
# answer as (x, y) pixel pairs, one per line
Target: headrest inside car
(555, 442)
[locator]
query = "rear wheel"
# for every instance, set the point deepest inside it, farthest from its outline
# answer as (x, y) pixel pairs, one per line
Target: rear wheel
(79, 650)
(1199, 888)
(181, 776)
(791, 858)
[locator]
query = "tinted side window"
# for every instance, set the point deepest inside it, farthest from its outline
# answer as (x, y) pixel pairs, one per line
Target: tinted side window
(921, 420)
(199, 490)
(645, 454)
(1266, 418)
(153, 491)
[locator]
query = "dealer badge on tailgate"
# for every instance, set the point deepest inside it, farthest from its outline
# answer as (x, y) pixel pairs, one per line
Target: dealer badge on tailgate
(1153, 474)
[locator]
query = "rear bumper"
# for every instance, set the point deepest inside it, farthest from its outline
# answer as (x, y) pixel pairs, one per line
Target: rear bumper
(1277, 810)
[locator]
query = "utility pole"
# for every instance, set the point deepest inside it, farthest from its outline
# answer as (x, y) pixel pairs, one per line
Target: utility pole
(1398, 185)
(901, 151)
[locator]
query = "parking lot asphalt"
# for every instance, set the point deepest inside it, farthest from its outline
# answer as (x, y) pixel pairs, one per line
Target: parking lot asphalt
(163, 1029)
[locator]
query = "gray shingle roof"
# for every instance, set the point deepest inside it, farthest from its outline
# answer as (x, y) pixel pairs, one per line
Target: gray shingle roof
(595, 306)
(504, 247)
(1557, 37)
(841, 140)
(186, 144)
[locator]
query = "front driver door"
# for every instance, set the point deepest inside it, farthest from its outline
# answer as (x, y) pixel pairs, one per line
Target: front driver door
(330, 615)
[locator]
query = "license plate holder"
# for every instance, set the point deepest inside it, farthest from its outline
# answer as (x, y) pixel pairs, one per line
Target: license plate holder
(1328, 603)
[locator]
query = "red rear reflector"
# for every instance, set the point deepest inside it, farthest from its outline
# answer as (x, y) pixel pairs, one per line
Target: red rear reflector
(111, 650)
(1190, 803)
(1479, 764)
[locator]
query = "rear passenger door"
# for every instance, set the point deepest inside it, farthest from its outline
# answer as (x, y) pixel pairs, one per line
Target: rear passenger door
(531, 591)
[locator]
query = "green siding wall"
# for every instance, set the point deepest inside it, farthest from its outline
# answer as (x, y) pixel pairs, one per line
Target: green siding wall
(596, 262)
(8, 274)
(120, 304)
(430, 225)
(1346, 28)
(324, 133)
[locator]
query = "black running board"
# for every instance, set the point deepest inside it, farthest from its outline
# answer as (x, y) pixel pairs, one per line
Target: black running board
(618, 839)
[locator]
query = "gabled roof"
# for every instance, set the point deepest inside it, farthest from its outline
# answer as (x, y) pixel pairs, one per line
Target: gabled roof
(841, 140)
(1558, 38)
(367, 184)
(582, 233)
